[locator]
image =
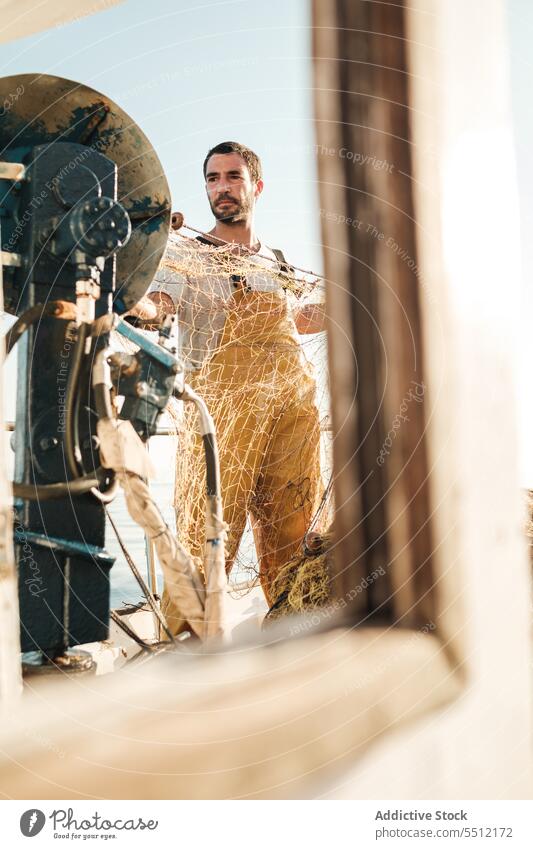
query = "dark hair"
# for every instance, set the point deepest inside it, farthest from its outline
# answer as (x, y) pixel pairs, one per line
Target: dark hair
(252, 160)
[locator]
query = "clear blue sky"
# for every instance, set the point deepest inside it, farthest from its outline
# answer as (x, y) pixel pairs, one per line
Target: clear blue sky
(194, 74)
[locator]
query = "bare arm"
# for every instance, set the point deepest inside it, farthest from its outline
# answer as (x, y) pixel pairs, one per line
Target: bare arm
(310, 318)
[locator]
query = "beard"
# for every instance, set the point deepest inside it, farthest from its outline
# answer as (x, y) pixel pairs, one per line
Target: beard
(231, 214)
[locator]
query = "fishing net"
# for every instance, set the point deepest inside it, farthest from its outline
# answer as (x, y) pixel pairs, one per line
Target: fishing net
(304, 583)
(268, 396)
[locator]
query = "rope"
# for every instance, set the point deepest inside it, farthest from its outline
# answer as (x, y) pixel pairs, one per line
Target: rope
(245, 249)
(150, 598)
(130, 632)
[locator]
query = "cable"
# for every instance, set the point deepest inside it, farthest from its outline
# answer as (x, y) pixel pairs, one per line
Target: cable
(101, 382)
(129, 631)
(80, 484)
(212, 466)
(86, 482)
(72, 449)
(38, 311)
(51, 491)
(102, 401)
(47, 492)
(209, 439)
(142, 583)
(109, 494)
(21, 325)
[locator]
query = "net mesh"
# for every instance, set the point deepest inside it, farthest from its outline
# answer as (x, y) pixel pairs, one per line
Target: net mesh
(304, 583)
(268, 396)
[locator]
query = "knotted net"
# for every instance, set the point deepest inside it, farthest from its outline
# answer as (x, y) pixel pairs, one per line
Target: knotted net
(267, 390)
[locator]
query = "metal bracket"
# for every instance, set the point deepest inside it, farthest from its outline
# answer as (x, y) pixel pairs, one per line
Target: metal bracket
(10, 260)
(12, 171)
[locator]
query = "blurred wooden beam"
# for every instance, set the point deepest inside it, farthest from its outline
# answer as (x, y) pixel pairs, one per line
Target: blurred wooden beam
(21, 18)
(375, 339)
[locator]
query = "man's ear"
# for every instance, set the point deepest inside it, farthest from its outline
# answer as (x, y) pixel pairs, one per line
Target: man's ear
(258, 188)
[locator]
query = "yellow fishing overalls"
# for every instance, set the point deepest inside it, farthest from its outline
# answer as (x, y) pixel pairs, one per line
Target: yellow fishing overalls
(260, 391)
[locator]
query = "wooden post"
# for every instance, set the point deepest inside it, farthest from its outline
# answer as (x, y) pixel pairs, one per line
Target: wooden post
(10, 668)
(375, 340)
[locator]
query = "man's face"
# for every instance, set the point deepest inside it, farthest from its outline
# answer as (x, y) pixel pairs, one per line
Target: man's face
(230, 189)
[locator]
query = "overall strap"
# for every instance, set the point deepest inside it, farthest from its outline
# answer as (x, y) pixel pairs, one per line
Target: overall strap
(283, 264)
(286, 270)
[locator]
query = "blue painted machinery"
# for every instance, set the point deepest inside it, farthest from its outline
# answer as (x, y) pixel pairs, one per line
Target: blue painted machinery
(84, 219)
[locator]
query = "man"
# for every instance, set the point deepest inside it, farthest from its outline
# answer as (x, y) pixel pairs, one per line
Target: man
(239, 342)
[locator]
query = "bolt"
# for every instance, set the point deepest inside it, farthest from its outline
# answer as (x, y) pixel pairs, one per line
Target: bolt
(48, 442)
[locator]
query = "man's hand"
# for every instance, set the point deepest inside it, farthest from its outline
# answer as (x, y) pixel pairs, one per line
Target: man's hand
(310, 318)
(145, 309)
(152, 309)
